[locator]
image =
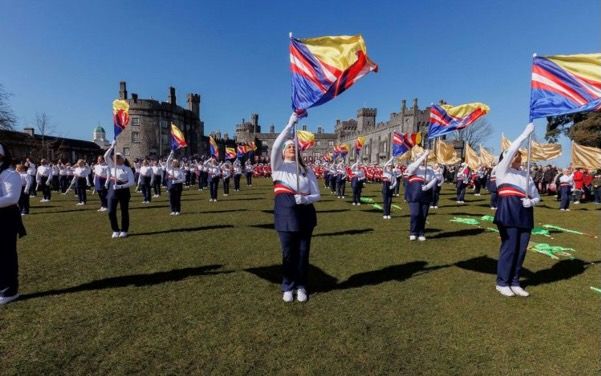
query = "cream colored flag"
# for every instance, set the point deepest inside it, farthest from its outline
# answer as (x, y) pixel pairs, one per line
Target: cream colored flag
(506, 143)
(445, 153)
(545, 152)
(414, 153)
(486, 158)
(585, 156)
(471, 157)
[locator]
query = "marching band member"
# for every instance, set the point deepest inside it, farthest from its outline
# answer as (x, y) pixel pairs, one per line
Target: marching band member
(101, 173)
(11, 225)
(136, 170)
(31, 170)
(63, 180)
(463, 178)
(157, 178)
(226, 173)
(398, 172)
(294, 213)
(340, 179)
(357, 182)
(145, 180)
(121, 177)
(566, 182)
(175, 180)
(214, 172)
(514, 216)
(42, 178)
(492, 188)
(81, 175)
(421, 180)
(388, 184)
(237, 174)
(54, 180)
(333, 177)
(25, 186)
(248, 169)
(437, 187)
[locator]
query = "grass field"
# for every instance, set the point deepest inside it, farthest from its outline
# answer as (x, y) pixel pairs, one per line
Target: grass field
(199, 293)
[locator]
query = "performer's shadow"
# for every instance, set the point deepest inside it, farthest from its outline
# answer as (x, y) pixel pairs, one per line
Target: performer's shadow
(321, 282)
(561, 270)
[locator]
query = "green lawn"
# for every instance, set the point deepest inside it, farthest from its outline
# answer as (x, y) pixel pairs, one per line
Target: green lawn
(199, 293)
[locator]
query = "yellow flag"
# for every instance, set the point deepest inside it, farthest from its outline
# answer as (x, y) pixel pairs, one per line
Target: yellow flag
(445, 153)
(544, 152)
(486, 158)
(585, 156)
(506, 143)
(471, 157)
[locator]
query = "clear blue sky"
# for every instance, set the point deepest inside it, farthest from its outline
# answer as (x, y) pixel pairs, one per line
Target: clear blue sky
(66, 58)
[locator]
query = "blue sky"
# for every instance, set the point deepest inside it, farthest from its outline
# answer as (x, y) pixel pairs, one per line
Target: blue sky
(66, 58)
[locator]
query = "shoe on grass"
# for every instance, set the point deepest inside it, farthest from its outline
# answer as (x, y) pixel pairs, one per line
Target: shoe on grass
(519, 291)
(8, 299)
(301, 295)
(123, 234)
(421, 238)
(505, 290)
(412, 237)
(115, 235)
(288, 297)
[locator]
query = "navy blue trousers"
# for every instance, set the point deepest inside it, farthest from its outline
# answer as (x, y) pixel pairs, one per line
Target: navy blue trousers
(435, 195)
(9, 263)
(226, 186)
(249, 178)
(387, 200)
(175, 197)
(146, 189)
(357, 188)
(157, 185)
(82, 194)
(102, 194)
(418, 212)
(45, 185)
(493, 199)
(340, 187)
(119, 197)
(461, 187)
(514, 242)
(564, 194)
(333, 184)
(295, 258)
(213, 186)
(237, 182)
(24, 201)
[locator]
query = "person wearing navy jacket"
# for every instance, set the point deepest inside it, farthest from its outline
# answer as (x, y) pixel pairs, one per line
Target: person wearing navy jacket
(11, 225)
(388, 184)
(420, 182)
(517, 195)
(294, 213)
(121, 177)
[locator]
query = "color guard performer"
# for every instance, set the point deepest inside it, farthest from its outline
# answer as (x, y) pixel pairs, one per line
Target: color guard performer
(121, 177)
(463, 178)
(237, 174)
(214, 173)
(42, 178)
(566, 183)
(514, 216)
(81, 175)
(101, 173)
(175, 184)
(226, 173)
(294, 213)
(420, 182)
(11, 225)
(157, 178)
(388, 184)
(357, 182)
(248, 169)
(492, 188)
(26, 182)
(145, 180)
(340, 179)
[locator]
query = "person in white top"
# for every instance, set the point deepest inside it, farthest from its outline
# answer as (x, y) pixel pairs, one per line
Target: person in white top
(101, 173)
(226, 173)
(145, 181)
(175, 182)
(237, 174)
(31, 170)
(157, 178)
(42, 178)
(340, 179)
(566, 183)
(437, 170)
(214, 173)
(25, 186)
(248, 170)
(121, 177)
(11, 225)
(388, 184)
(357, 181)
(294, 213)
(55, 176)
(81, 176)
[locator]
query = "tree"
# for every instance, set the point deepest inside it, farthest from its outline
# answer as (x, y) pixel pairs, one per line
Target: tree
(474, 134)
(7, 118)
(582, 128)
(44, 128)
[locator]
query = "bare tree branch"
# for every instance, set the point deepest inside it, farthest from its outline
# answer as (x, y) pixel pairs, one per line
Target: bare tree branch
(7, 117)
(475, 134)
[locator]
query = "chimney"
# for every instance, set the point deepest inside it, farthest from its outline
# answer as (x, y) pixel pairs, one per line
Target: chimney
(194, 103)
(272, 129)
(304, 127)
(415, 104)
(134, 97)
(403, 105)
(29, 131)
(319, 130)
(122, 90)
(171, 98)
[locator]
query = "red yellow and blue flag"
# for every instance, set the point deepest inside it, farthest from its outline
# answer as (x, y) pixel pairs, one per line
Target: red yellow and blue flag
(241, 150)
(401, 143)
(565, 84)
(178, 140)
(230, 153)
(324, 67)
(120, 116)
(306, 140)
(213, 148)
(340, 150)
(445, 118)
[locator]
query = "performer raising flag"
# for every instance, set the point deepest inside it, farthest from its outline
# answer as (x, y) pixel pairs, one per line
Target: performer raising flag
(401, 143)
(178, 140)
(214, 149)
(359, 143)
(306, 140)
(120, 116)
(445, 118)
(230, 153)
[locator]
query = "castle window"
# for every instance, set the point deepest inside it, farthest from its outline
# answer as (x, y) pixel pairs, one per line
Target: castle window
(135, 120)
(330, 143)
(135, 137)
(126, 151)
(318, 143)
(163, 124)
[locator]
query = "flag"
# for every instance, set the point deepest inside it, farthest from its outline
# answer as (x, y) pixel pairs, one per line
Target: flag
(486, 158)
(230, 153)
(178, 140)
(586, 156)
(251, 147)
(359, 142)
(327, 157)
(120, 115)
(565, 84)
(241, 150)
(213, 148)
(340, 150)
(471, 157)
(505, 143)
(400, 144)
(306, 140)
(445, 118)
(415, 153)
(544, 152)
(445, 153)
(414, 138)
(324, 67)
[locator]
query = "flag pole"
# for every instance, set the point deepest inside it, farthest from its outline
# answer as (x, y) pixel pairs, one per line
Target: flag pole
(297, 156)
(529, 143)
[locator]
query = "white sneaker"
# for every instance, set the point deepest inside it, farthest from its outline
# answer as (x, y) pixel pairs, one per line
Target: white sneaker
(358, 204)
(422, 238)
(385, 217)
(412, 237)
(301, 295)
(562, 210)
(354, 204)
(567, 209)
(177, 213)
(435, 207)
(8, 299)
(103, 209)
(342, 196)
(288, 297)
(431, 207)
(172, 213)
(505, 291)
(519, 291)
(80, 203)
(115, 235)
(123, 234)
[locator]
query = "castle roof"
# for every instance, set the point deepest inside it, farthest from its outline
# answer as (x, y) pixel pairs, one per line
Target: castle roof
(99, 129)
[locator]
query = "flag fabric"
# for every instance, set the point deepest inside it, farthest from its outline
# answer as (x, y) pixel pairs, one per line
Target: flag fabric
(230, 153)
(445, 153)
(415, 153)
(306, 140)
(241, 150)
(445, 118)
(471, 157)
(178, 140)
(213, 148)
(486, 158)
(585, 156)
(324, 67)
(565, 84)
(401, 144)
(340, 151)
(505, 143)
(544, 152)
(327, 157)
(359, 143)
(120, 116)
(251, 147)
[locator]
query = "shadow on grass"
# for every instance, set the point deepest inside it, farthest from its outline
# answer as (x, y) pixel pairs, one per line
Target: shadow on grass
(458, 233)
(61, 211)
(561, 270)
(267, 226)
(185, 229)
(320, 281)
(244, 199)
(222, 211)
(345, 232)
(467, 214)
(132, 280)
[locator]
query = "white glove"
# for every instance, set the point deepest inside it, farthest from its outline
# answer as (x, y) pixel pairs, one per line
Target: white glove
(527, 203)
(529, 129)
(300, 199)
(113, 143)
(425, 188)
(293, 119)
(117, 186)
